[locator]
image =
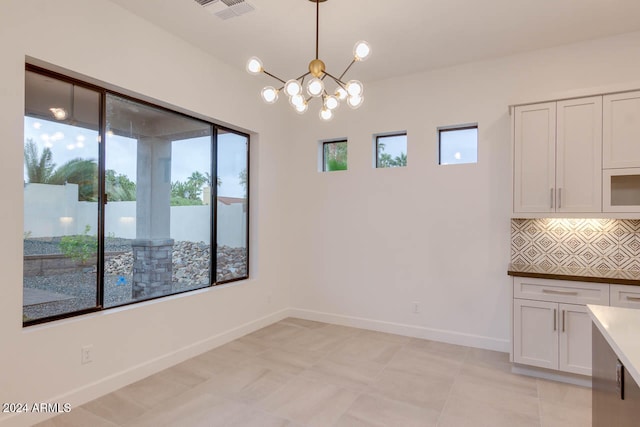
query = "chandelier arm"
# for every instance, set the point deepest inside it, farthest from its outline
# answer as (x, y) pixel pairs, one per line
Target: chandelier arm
(335, 79)
(347, 69)
(271, 75)
(304, 75)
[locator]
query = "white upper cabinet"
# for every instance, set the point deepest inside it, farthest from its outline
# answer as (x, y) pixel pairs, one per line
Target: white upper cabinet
(579, 155)
(558, 157)
(534, 157)
(621, 130)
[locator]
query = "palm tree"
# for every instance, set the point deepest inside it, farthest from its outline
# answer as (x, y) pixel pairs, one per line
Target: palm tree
(210, 181)
(39, 167)
(401, 160)
(83, 172)
(42, 170)
(195, 182)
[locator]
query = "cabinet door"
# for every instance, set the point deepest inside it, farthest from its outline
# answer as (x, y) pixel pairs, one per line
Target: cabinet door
(621, 130)
(621, 190)
(579, 155)
(534, 158)
(575, 339)
(631, 403)
(535, 333)
(606, 404)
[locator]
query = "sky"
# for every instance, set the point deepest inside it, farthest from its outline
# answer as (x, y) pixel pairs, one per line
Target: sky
(394, 145)
(459, 146)
(68, 142)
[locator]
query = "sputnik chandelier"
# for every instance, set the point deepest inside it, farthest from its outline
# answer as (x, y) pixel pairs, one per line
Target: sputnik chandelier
(351, 91)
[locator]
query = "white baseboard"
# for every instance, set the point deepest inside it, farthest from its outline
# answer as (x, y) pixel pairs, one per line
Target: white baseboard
(118, 380)
(451, 337)
(562, 377)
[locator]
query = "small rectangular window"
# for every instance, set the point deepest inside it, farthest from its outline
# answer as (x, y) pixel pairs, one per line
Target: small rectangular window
(391, 150)
(458, 145)
(334, 156)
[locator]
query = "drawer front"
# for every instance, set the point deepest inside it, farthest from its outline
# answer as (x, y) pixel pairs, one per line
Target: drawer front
(625, 296)
(563, 291)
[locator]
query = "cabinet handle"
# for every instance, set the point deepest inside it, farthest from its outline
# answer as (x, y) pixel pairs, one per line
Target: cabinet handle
(559, 198)
(555, 318)
(553, 291)
(562, 320)
(551, 198)
(633, 298)
(620, 379)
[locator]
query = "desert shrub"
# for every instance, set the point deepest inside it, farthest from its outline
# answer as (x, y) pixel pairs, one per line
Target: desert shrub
(79, 247)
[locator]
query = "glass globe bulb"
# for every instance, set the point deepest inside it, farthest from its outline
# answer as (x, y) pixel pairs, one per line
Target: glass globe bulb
(315, 87)
(341, 94)
(254, 66)
(361, 50)
(58, 113)
(269, 94)
(302, 108)
(293, 87)
(326, 114)
(331, 102)
(296, 100)
(354, 88)
(355, 101)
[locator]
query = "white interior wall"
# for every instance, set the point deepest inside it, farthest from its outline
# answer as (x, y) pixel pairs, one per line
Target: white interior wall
(358, 247)
(100, 40)
(365, 243)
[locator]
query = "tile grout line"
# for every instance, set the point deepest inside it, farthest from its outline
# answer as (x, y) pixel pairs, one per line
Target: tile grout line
(539, 401)
(453, 383)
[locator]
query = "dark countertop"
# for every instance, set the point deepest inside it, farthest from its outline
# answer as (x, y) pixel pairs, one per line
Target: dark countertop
(579, 274)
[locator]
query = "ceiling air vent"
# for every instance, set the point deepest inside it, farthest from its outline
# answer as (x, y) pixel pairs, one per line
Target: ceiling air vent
(226, 9)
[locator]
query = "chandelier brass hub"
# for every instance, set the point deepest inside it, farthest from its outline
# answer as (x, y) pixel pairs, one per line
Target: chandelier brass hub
(316, 68)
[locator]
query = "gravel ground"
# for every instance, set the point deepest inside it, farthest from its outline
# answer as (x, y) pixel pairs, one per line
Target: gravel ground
(51, 245)
(190, 264)
(82, 286)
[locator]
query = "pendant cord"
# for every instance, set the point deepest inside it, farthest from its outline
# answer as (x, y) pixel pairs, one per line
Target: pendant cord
(317, 25)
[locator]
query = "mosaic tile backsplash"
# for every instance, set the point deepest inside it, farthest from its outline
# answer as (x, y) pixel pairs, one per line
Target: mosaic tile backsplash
(591, 243)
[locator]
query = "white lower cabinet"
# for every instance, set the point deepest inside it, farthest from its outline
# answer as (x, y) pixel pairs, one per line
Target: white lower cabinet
(553, 330)
(575, 339)
(552, 335)
(625, 296)
(535, 333)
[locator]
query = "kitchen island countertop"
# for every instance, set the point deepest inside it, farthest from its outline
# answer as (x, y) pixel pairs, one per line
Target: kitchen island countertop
(621, 328)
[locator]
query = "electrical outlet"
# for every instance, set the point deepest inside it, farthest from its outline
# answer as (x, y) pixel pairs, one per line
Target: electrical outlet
(86, 354)
(416, 307)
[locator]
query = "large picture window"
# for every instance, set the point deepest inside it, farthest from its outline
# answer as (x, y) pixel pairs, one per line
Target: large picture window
(135, 218)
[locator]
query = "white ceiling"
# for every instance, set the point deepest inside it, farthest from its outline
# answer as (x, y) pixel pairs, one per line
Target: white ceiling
(406, 37)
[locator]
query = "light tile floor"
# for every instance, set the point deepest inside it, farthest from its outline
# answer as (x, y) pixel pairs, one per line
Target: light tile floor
(302, 373)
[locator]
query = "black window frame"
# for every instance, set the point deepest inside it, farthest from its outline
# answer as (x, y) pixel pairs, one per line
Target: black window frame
(215, 128)
(334, 141)
(377, 148)
(453, 129)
